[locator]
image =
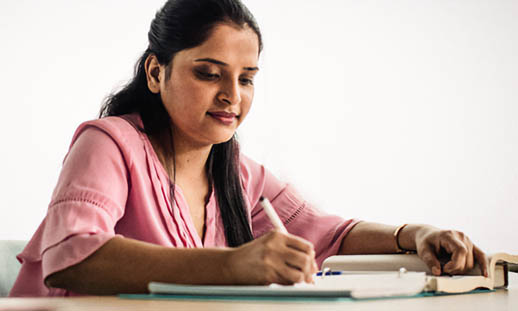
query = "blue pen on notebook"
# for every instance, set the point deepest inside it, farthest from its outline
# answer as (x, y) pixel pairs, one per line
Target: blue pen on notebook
(320, 273)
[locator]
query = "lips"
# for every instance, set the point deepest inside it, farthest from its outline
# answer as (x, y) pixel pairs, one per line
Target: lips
(224, 117)
(222, 114)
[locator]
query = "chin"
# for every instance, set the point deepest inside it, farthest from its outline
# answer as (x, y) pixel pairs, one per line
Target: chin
(223, 141)
(222, 138)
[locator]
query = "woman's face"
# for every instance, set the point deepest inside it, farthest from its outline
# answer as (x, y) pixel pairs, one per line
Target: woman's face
(210, 89)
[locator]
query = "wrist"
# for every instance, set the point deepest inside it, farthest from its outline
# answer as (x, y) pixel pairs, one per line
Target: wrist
(413, 234)
(406, 237)
(228, 266)
(397, 245)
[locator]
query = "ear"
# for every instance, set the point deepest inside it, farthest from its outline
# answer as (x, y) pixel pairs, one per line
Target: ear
(154, 73)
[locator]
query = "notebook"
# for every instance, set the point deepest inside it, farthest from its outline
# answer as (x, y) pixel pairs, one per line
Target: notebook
(386, 284)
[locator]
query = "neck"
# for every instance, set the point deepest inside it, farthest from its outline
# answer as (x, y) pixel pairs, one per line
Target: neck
(190, 158)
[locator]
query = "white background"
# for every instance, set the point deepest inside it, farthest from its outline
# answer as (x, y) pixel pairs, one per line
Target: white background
(389, 111)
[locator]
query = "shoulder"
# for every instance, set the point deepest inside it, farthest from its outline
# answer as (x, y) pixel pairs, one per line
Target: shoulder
(125, 131)
(121, 133)
(119, 128)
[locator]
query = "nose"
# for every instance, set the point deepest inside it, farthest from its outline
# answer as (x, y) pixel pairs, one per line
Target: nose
(230, 92)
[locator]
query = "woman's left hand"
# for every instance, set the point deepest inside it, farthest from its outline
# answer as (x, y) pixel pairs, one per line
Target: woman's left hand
(434, 246)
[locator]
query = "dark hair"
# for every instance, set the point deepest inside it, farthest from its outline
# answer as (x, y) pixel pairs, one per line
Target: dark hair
(180, 25)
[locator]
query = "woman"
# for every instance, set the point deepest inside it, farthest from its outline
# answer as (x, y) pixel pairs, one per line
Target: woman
(157, 190)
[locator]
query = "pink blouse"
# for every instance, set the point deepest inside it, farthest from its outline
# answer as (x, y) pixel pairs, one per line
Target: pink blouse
(112, 183)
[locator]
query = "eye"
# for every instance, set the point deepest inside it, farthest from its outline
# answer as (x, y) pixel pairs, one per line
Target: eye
(246, 81)
(206, 75)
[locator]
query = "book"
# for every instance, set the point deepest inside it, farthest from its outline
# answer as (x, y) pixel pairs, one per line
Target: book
(368, 264)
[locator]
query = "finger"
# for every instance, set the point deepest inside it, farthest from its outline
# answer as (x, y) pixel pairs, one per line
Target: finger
(470, 261)
(481, 260)
(297, 253)
(279, 279)
(458, 252)
(428, 256)
(297, 259)
(300, 244)
(279, 272)
(309, 265)
(301, 261)
(290, 273)
(291, 240)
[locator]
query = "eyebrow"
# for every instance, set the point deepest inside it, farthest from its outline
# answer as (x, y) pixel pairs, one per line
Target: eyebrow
(218, 62)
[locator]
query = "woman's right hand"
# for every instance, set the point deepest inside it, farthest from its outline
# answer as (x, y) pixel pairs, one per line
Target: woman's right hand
(275, 257)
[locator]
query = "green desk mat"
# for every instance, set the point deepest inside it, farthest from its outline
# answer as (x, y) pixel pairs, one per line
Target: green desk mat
(298, 298)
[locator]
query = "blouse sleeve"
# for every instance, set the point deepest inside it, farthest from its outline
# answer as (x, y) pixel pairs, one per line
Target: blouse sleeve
(88, 200)
(300, 218)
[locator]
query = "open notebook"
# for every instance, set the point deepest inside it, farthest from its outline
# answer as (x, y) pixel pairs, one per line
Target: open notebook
(354, 285)
(363, 276)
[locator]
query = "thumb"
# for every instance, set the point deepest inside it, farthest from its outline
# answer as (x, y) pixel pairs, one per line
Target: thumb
(428, 256)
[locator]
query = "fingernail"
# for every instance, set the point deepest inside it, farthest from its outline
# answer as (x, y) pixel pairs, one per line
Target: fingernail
(436, 271)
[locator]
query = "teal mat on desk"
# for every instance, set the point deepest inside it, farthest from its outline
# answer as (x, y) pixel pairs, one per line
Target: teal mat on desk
(293, 299)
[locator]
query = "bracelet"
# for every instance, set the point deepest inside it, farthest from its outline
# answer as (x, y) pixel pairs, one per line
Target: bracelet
(399, 249)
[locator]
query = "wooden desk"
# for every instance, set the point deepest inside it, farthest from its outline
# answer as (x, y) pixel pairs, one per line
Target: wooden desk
(499, 300)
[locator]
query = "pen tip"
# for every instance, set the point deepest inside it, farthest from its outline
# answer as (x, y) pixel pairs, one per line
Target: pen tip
(261, 199)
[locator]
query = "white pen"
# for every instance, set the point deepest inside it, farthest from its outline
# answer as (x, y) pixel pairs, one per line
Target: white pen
(274, 218)
(276, 221)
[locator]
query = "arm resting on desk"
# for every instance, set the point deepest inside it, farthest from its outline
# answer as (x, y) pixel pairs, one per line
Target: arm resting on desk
(374, 238)
(126, 266)
(452, 248)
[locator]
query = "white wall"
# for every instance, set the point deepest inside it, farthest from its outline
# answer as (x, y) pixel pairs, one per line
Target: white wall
(391, 111)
